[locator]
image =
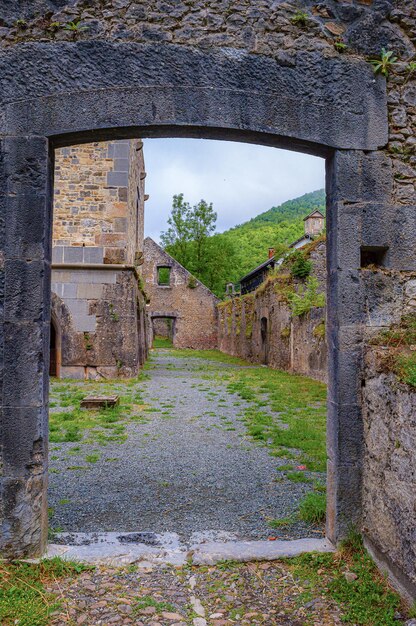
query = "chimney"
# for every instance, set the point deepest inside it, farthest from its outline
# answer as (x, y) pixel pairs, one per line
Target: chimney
(271, 253)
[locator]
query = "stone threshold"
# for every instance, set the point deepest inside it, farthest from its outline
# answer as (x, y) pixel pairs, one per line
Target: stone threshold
(147, 549)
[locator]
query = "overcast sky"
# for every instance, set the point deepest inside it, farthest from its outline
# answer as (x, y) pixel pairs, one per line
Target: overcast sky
(241, 180)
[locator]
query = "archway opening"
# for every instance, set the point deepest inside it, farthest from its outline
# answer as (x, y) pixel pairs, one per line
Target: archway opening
(163, 332)
(179, 291)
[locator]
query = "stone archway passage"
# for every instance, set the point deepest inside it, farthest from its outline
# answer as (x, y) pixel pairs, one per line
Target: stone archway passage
(86, 91)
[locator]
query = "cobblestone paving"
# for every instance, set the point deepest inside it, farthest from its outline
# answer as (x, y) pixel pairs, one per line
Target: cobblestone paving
(225, 595)
(186, 465)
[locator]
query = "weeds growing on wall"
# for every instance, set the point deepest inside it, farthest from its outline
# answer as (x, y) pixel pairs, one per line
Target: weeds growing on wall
(301, 267)
(307, 297)
(400, 357)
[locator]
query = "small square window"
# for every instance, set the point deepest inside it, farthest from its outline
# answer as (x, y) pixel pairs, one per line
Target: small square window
(163, 276)
(373, 256)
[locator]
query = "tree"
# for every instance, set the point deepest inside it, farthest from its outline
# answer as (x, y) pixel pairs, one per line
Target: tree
(220, 257)
(202, 219)
(176, 238)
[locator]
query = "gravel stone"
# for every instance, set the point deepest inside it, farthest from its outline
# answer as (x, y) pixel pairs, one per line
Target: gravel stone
(189, 468)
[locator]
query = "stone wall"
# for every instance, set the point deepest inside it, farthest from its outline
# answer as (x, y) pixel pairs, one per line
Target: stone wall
(99, 309)
(190, 304)
(251, 70)
(100, 319)
(389, 472)
(98, 199)
(293, 343)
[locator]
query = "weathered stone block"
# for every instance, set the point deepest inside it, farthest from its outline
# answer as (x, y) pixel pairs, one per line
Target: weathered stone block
(25, 364)
(24, 437)
(356, 176)
(25, 286)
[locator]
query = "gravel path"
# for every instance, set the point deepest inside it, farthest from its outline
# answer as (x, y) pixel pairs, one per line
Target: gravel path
(189, 467)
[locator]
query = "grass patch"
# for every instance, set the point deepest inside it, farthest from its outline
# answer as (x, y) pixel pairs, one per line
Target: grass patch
(23, 597)
(92, 458)
(162, 342)
(366, 601)
(298, 477)
(145, 601)
(312, 508)
(296, 401)
(76, 425)
(405, 368)
(210, 355)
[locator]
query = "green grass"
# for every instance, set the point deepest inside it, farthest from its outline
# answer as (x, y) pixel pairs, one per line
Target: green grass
(92, 458)
(298, 477)
(366, 601)
(85, 426)
(405, 368)
(210, 355)
(146, 601)
(296, 401)
(23, 597)
(162, 342)
(312, 508)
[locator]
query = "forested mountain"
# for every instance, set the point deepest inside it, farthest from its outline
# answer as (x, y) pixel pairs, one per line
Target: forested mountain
(275, 228)
(216, 259)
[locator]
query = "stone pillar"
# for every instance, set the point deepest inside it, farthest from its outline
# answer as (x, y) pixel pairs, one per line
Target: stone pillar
(26, 216)
(358, 184)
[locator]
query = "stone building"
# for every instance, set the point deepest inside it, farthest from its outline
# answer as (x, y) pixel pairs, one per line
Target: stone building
(180, 306)
(260, 326)
(98, 326)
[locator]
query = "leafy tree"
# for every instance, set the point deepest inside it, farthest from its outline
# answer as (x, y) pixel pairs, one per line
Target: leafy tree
(219, 258)
(176, 239)
(202, 219)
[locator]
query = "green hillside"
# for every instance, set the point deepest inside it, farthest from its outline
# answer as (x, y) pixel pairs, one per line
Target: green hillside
(226, 257)
(275, 228)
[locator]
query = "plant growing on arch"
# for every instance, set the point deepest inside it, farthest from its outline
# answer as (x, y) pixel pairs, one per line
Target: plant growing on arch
(384, 64)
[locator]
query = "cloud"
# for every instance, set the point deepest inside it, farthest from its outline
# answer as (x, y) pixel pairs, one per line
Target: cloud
(241, 180)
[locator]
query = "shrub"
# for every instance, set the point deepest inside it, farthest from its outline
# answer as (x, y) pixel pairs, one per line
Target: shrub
(301, 267)
(307, 298)
(300, 18)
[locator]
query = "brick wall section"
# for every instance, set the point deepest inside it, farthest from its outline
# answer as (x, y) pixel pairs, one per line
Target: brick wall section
(193, 310)
(292, 343)
(98, 198)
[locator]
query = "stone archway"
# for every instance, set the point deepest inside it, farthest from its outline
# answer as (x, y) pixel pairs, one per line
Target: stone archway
(326, 106)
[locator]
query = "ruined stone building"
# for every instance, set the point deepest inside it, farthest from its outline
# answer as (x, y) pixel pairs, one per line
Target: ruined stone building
(98, 326)
(261, 327)
(180, 306)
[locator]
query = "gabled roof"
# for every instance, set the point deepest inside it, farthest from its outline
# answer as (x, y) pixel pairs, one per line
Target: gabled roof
(170, 261)
(315, 213)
